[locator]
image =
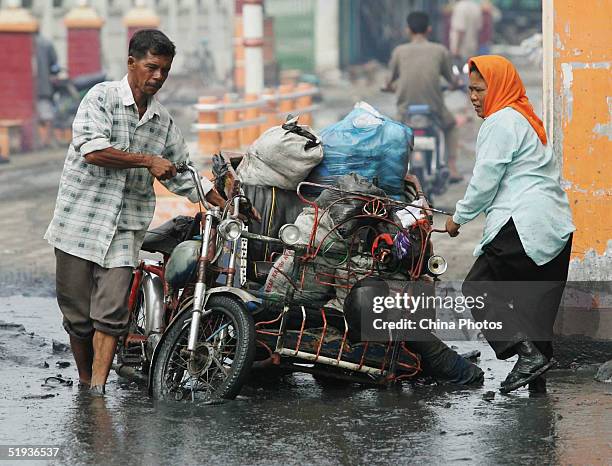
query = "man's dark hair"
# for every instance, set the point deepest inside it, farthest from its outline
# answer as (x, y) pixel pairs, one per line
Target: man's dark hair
(151, 40)
(418, 22)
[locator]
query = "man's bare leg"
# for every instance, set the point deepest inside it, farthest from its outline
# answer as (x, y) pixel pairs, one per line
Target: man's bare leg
(104, 347)
(83, 352)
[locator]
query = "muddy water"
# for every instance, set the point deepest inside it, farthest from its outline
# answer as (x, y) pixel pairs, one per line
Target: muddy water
(291, 421)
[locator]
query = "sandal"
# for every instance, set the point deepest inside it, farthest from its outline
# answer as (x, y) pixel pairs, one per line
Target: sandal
(58, 380)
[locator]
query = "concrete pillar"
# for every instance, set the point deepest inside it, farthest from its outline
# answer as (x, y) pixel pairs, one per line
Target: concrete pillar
(140, 17)
(327, 24)
(578, 66)
(174, 31)
(46, 25)
(238, 45)
(252, 14)
(578, 116)
(84, 42)
(17, 73)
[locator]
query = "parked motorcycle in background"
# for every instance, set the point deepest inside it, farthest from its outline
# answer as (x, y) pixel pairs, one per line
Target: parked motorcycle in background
(68, 93)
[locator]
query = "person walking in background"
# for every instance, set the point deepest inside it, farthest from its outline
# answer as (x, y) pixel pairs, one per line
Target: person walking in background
(465, 26)
(416, 68)
(528, 232)
(490, 15)
(46, 67)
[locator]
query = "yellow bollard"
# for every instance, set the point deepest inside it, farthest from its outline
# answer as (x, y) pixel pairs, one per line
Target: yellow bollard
(209, 142)
(250, 133)
(270, 111)
(303, 103)
(229, 137)
(286, 105)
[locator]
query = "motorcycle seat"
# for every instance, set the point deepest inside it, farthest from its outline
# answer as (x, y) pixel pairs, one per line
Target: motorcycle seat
(86, 81)
(169, 235)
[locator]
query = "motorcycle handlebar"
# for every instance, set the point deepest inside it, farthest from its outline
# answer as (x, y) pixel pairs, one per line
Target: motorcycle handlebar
(184, 167)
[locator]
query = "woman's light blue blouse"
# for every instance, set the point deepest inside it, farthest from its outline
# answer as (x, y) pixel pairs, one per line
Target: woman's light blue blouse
(516, 176)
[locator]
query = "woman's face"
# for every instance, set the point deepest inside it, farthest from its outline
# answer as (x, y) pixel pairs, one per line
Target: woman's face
(478, 92)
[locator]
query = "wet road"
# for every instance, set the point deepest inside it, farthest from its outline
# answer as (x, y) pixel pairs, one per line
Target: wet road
(291, 420)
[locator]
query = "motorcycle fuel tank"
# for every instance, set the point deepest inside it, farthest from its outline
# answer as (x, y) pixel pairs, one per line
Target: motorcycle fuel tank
(182, 263)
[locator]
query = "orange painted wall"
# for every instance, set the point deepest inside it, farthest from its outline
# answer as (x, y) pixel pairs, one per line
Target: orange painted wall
(583, 122)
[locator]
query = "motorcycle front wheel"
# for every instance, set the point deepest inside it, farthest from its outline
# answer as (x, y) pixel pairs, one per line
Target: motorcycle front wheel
(222, 358)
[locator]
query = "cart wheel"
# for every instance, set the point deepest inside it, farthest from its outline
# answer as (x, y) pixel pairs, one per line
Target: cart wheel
(221, 361)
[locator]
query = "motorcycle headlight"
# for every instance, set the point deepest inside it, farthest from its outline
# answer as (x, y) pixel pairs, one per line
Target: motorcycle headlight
(436, 265)
(230, 229)
(289, 234)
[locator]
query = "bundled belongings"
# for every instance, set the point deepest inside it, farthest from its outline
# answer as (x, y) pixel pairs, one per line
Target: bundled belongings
(277, 208)
(345, 206)
(282, 157)
(309, 288)
(313, 284)
(369, 144)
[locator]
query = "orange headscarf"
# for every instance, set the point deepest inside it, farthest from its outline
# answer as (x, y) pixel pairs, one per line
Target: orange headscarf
(505, 89)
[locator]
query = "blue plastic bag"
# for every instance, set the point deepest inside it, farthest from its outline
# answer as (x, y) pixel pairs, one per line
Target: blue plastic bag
(369, 144)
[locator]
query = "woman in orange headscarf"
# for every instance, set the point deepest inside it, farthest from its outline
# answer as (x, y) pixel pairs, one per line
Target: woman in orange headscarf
(528, 231)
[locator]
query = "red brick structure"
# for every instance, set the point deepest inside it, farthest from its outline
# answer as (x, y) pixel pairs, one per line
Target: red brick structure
(17, 73)
(84, 46)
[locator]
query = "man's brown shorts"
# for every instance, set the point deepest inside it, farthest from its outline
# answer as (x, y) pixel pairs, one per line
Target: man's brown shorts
(91, 297)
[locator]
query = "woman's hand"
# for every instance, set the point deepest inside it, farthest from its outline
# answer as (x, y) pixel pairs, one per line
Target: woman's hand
(451, 227)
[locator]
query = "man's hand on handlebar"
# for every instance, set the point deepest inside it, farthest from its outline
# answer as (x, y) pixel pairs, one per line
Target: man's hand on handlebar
(161, 168)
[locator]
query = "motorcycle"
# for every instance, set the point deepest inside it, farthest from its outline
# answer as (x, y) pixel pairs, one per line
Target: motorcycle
(68, 93)
(429, 160)
(198, 327)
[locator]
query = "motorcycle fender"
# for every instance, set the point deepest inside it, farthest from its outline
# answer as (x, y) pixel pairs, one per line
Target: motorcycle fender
(241, 294)
(424, 143)
(153, 289)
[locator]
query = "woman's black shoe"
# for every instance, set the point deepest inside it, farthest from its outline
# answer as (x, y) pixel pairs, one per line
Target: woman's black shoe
(538, 385)
(530, 365)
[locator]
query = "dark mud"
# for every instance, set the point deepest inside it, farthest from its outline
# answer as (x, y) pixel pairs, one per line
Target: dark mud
(291, 420)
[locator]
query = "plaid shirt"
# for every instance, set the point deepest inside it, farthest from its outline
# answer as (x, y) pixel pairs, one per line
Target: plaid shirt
(102, 214)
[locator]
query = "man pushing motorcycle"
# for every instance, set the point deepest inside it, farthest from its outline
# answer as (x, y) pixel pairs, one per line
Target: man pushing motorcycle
(123, 139)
